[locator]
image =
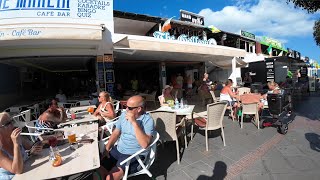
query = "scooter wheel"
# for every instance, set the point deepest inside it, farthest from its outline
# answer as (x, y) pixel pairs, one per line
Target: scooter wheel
(261, 126)
(283, 129)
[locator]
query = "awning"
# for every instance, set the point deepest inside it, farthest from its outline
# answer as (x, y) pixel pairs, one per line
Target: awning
(29, 40)
(131, 47)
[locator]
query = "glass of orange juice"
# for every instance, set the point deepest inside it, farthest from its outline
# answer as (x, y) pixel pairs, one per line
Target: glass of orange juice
(90, 110)
(57, 161)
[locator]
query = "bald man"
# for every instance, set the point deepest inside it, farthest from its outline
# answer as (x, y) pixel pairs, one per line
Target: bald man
(134, 129)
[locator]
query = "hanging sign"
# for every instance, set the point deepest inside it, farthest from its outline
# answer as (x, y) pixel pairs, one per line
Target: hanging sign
(185, 38)
(272, 42)
(191, 17)
(41, 19)
(270, 70)
(247, 34)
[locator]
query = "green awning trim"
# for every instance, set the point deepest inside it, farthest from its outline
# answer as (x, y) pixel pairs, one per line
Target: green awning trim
(275, 47)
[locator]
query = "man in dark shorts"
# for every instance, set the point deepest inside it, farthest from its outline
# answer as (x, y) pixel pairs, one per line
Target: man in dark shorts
(133, 131)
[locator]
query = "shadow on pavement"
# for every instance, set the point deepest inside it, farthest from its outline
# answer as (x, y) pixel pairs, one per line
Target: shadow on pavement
(307, 107)
(219, 172)
(314, 140)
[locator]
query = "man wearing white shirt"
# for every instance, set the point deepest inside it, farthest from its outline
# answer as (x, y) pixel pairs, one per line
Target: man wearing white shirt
(61, 97)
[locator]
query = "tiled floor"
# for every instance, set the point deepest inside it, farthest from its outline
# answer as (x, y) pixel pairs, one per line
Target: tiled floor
(293, 156)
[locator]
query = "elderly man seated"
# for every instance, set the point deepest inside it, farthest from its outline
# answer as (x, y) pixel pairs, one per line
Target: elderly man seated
(53, 116)
(134, 130)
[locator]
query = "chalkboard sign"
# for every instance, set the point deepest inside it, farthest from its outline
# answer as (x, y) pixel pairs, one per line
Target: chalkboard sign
(109, 76)
(270, 70)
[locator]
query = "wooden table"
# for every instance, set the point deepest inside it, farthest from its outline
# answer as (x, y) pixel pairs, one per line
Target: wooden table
(85, 158)
(86, 118)
(180, 112)
(81, 108)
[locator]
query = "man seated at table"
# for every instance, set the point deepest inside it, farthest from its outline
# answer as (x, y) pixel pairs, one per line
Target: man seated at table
(53, 116)
(134, 131)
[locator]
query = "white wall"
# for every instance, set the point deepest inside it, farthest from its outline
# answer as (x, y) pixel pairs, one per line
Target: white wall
(223, 75)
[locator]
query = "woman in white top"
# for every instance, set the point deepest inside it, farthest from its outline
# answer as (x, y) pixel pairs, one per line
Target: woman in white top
(227, 95)
(105, 111)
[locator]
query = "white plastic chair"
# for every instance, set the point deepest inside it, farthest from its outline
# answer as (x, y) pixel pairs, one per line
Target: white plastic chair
(24, 116)
(35, 111)
(251, 109)
(213, 120)
(116, 106)
(145, 164)
(13, 109)
(67, 105)
(84, 103)
(107, 127)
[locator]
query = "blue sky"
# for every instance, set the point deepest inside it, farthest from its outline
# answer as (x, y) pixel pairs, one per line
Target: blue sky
(272, 18)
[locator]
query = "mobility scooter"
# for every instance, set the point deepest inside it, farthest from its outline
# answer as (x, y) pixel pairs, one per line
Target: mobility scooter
(280, 109)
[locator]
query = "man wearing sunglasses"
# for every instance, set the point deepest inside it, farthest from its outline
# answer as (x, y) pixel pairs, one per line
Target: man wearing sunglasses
(134, 130)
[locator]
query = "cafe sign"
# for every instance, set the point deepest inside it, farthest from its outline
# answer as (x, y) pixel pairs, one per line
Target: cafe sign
(247, 34)
(184, 38)
(272, 42)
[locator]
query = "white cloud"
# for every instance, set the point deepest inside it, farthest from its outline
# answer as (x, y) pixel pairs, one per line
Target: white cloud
(274, 18)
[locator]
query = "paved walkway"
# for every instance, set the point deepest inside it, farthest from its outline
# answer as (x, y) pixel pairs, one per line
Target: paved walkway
(249, 153)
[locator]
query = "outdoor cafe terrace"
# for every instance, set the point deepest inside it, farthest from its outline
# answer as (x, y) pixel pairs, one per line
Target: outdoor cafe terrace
(221, 148)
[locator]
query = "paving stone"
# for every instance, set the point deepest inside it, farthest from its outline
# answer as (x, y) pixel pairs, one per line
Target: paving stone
(192, 156)
(290, 150)
(177, 175)
(234, 153)
(276, 163)
(256, 167)
(302, 163)
(296, 176)
(254, 176)
(199, 170)
(218, 158)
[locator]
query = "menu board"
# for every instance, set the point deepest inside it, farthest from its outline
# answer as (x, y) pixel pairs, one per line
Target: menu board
(100, 76)
(270, 70)
(105, 73)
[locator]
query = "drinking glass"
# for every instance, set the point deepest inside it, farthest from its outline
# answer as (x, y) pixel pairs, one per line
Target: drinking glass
(185, 103)
(71, 137)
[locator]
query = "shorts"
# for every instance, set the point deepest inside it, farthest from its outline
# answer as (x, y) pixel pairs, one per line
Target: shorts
(231, 103)
(116, 158)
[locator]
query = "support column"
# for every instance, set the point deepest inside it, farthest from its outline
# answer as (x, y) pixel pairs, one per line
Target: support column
(234, 67)
(163, 75)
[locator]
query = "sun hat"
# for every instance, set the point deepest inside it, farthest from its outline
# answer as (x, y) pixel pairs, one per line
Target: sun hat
(166, 87)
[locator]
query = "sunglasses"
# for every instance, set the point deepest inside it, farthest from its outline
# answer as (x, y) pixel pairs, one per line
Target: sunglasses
(6, 124)
(132, 108)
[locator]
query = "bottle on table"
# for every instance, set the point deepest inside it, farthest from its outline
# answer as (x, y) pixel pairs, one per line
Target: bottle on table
(176, 104)
(181, 103)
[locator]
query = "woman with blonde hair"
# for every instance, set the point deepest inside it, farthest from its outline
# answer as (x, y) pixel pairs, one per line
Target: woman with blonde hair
(105, 111)
(13, 149)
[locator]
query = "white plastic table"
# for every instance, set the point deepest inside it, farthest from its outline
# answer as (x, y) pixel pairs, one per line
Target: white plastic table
(81, 108)
(84, 118)
(180, 112)
(85, 158)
